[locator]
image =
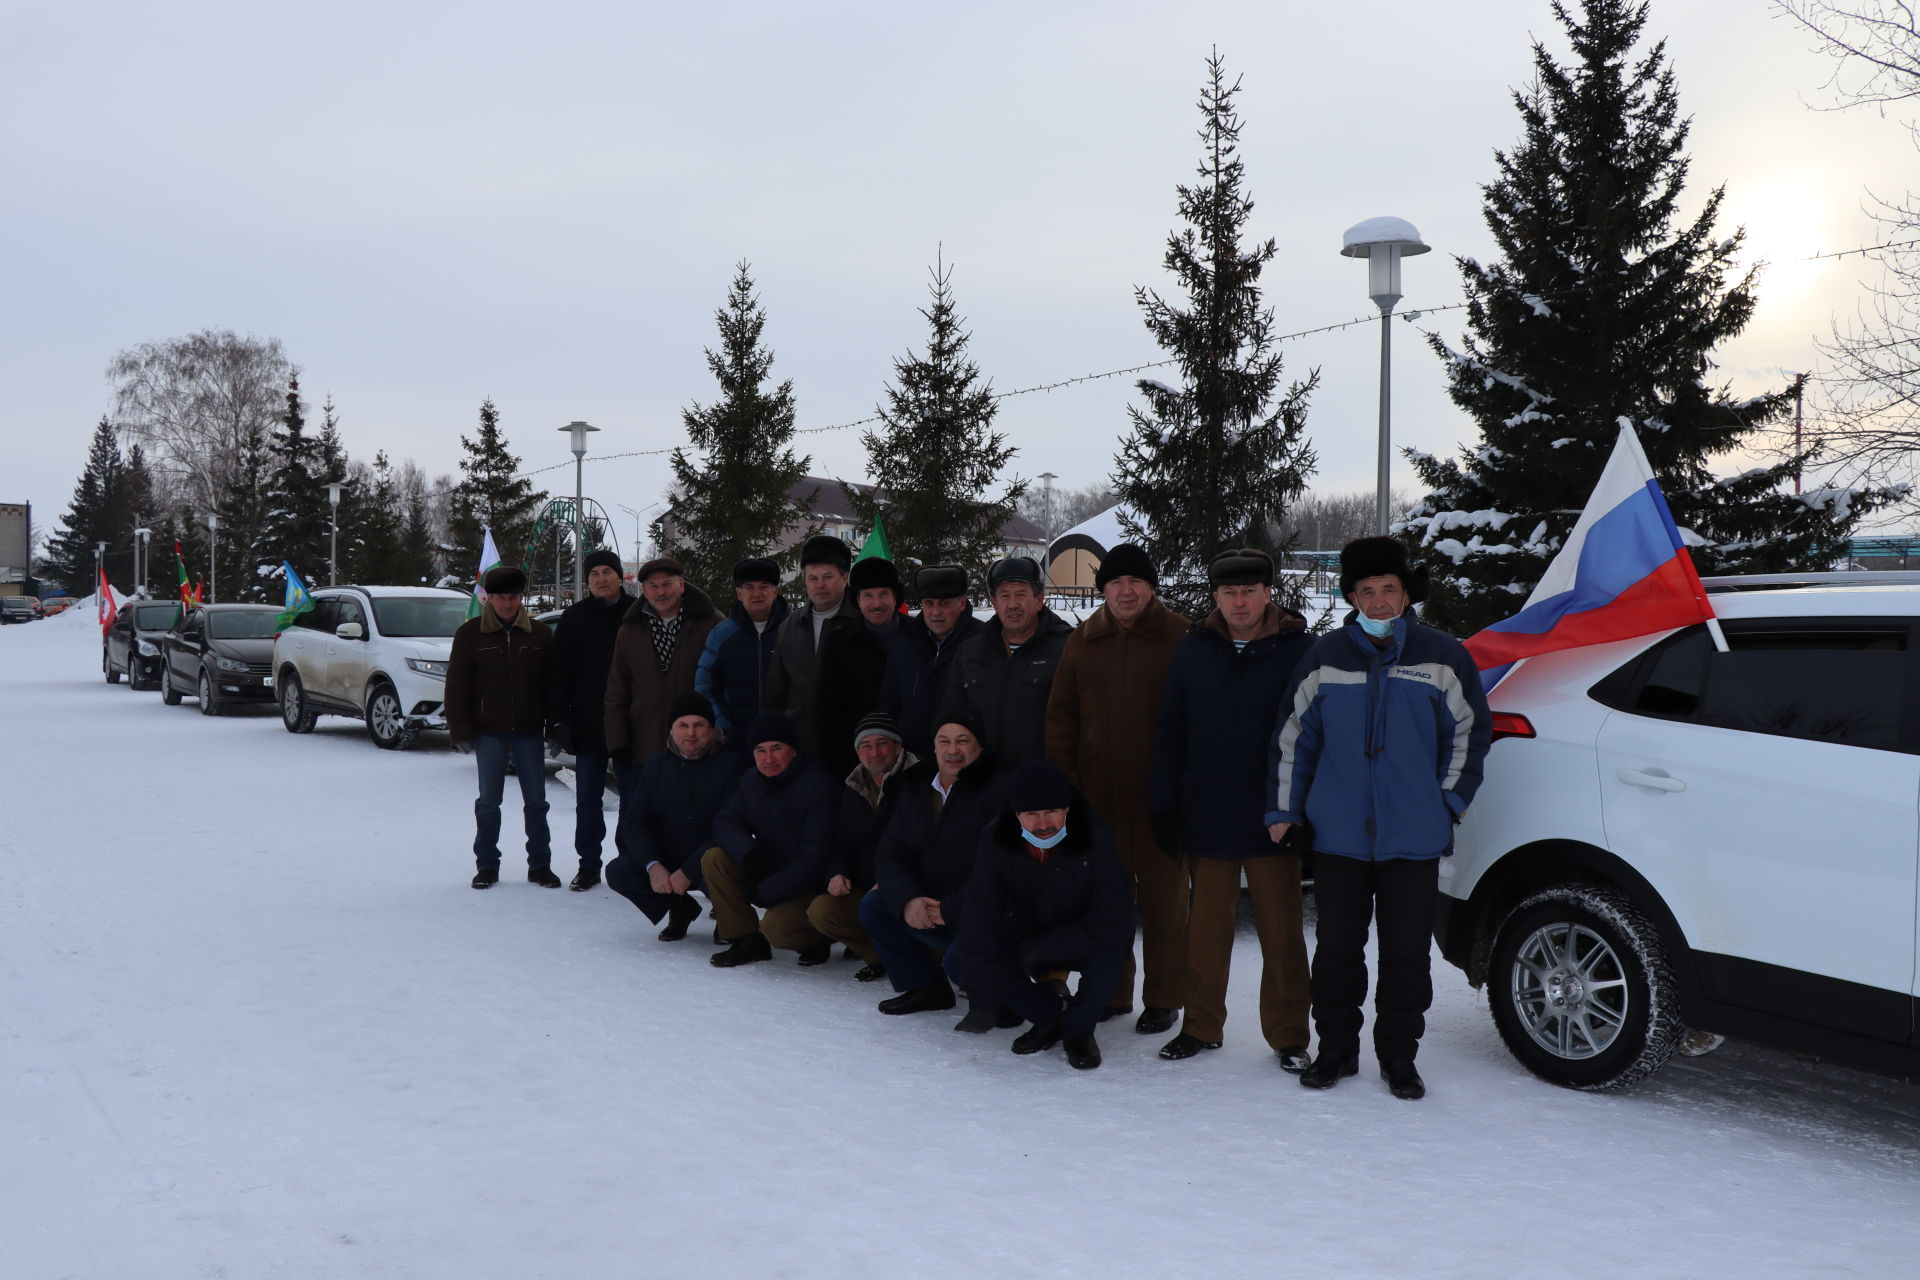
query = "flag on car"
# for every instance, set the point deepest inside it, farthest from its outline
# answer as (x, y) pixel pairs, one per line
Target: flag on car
(107, 607)
(1624, 572)
(298, 599)
(188, 597)
(489, 559)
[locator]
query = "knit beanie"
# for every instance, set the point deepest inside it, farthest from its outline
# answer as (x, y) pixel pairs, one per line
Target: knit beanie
(1128, 560)
(875, 722)
(601, 559)
(772, 726)
(966, 720)
(1039, 784)
(690, 704)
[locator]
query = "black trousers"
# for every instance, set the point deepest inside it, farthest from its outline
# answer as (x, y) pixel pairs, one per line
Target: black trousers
(1008, 979)
(626, 877)
(1401, 894)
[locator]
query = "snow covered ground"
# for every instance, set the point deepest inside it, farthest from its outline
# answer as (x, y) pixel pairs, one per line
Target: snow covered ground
(254, 1024)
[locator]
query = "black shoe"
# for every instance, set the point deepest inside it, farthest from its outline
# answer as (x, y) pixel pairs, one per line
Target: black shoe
(927, 998)
(977, 1022)
(1402, 1080)
(1115, 1011)
(1083, 1054)
(682, 912)
(1153, 1020)
(584, 879)
(1185, 1046)
(816, 955)
(543, 876)
(1038, 1039)
(1294, 1059)
(748, 950)
(1328, 1069)
(486, 879)
(870, 973)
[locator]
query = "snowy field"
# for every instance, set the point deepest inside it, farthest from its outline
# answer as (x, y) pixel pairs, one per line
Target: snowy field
(254, 1024)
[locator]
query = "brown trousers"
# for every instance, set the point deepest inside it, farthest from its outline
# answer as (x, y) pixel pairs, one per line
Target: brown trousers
(839, 919)
(1161, 886)
(784, 923)
(1273, 884)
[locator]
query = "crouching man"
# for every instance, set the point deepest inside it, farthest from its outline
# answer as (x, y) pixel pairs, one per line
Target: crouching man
(773, 841)
(1047, 893)
(866, 805)
(668, 827)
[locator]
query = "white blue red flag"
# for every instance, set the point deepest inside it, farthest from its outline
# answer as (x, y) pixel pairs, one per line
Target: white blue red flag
(1623, 572)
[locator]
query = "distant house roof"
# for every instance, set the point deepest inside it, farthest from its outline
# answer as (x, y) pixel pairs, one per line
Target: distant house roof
(831, 502)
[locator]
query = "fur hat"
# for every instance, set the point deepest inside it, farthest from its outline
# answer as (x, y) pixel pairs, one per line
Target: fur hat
(874, 572)
(663, 564)
(1377, 557)
(1247, 567)
(772, 726)
(1013, 569)
(1039, 784)
(690, 704)
(601, 559)
(756, 569)
(505, 579)
(824, 548)
(1128, 560)
(940, 582)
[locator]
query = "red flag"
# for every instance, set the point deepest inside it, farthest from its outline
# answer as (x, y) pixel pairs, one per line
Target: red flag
(107, 607)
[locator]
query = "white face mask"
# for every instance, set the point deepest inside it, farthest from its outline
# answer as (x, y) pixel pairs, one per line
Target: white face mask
(1378, 628)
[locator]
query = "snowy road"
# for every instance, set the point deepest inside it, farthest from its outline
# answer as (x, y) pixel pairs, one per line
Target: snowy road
(254, 1024)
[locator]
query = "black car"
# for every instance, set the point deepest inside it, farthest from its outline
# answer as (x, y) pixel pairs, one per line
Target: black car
(17, 609)
(132, 645)
(220, 653)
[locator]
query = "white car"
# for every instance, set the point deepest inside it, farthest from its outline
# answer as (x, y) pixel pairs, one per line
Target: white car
(375, 653)
(1670, 837)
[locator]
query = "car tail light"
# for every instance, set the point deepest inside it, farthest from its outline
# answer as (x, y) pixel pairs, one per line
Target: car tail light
(1511, 724)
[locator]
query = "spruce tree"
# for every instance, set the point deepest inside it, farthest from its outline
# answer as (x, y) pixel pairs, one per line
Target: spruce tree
(243, 507)
(136, 507)
(935, 454)
(422, 558)
(736, 501)
(491, 495)
(298, 519)
(1214, 462)
(377, 553)
(1604, 308)
(90, 517)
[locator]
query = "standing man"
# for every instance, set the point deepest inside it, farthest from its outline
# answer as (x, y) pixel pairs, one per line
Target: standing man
(654, 657)
(1004, 673)
(496, 708)
(1047, 893)
(1100, 729)
(1208, 798)
(853, 661)
(920, 655)
(866, 805)
(1379, 752)
(734, 666)
(824, 561)
(576, 704)
(668, 827)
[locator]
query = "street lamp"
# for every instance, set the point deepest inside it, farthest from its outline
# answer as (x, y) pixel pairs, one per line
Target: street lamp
(142, 535)
(1383, 242)
(333, 535)
(99, 564)
(213, 557)
(579, 431)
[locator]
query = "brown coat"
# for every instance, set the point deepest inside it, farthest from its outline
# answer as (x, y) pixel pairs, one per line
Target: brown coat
(1106, 703)
(638, 691)
(497, 676)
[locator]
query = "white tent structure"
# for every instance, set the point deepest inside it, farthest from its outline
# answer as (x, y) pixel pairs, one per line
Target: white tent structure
(1074, 557)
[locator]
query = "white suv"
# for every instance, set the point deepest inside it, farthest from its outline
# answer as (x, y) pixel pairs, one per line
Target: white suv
(1672, 837)
(376, 653)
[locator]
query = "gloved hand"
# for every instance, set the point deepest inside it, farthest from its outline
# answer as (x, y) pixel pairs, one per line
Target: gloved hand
(463, 746)
(560, 738)
(1166, 833)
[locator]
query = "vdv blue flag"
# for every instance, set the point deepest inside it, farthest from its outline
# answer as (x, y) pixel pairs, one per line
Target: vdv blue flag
(299, 601)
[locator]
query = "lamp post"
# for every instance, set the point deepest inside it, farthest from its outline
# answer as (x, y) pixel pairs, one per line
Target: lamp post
(333, 534)
(99, 564)
(141, 545)
(1383, 242)
(578, 430)
(213, 558)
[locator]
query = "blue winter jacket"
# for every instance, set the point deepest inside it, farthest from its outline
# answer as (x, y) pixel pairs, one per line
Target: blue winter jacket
(1380, 749)
(733, 667)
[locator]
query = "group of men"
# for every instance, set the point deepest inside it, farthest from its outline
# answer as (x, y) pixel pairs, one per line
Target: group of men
(985, 809)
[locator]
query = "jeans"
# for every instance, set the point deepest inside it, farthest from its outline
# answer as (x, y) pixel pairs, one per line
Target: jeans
(589, 817)
(528, 752)
(913, 957)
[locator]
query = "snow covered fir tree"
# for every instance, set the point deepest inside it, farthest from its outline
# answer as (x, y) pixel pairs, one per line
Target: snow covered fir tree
(492, 494)
(1606, 307)
(736, 499)
(935, 455)
(298, 520)
(1214, 462)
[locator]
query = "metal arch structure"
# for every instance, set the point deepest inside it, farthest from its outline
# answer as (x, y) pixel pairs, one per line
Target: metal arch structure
(550, 543)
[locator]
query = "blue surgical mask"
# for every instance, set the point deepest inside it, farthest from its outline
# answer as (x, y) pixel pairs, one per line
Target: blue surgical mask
(1049, 842)
(1378, 628)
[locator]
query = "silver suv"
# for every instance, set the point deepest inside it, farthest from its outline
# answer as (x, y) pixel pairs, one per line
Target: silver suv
(376, 653)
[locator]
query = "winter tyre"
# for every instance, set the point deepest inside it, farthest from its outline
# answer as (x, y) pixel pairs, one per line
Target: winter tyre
(387, 720)
(209, 695)
(168, 694)
(294, 711)
(1581, 990)
(106, 667)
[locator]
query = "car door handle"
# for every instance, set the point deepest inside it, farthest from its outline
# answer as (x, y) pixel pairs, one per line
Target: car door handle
(1658, 781)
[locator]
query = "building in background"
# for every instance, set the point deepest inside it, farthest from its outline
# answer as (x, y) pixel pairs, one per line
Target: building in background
(16, 549)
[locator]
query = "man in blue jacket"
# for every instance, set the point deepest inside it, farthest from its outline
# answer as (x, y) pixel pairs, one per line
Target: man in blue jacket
(1379, 751)
(733, 668)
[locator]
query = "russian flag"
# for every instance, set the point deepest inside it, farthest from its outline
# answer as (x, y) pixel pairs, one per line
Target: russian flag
(1623, 572)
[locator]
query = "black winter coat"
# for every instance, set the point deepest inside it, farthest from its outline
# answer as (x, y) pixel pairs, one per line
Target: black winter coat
(577, 669)
(733, 670)
(1008, 692)
(792, 677)
(861, 827)
(1216, 720)
(780, 830)
(922, 856)
(670, 818)
(846, 687)
(1076, 904)
(916, 682)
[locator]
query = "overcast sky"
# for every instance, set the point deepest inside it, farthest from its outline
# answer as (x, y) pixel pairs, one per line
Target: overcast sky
(429, 204)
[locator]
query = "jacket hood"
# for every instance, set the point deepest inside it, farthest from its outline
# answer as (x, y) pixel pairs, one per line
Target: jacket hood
(1156, 622)
(1275, 621)
(904, 762)
(1079, 838)
(490, 621)
(774, 619)
(694, 606)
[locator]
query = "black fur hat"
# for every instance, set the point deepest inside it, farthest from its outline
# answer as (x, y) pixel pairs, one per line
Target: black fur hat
(874, 571)
(1377, 557)
(824, 548)
(1247, 567)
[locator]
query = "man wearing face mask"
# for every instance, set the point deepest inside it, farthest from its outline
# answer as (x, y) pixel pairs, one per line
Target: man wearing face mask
(1379, 750)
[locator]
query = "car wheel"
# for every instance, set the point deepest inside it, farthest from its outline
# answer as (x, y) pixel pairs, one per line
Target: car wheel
(168, 694)
(209, 696)
(294, 711)
(386, 719)
(106, 668)
(1581, 990)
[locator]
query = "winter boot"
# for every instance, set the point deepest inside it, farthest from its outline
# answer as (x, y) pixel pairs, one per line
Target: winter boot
(981, 1021)
(1185, 1046)
(1038, 1038)
(486, 877)
(870, 972)
(543, 876)
(817, 955)
(1153, 1020)
(1402, 1080)
(928, 997)
(683, 912)
(1294, 1059)
(1083, 1053)
(1329, 1069)
(584, 879)
(748, 950)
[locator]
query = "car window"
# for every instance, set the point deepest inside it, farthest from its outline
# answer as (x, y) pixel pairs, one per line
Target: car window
(156, 617)
(321, 616)
(350, 611)
(249, 624)
(438, 616)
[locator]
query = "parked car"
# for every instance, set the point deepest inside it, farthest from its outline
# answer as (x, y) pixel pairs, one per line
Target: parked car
(1673, 837)
(56, 605)
(131, 647)
(376, 653)
(17, 609)
(219, 653)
